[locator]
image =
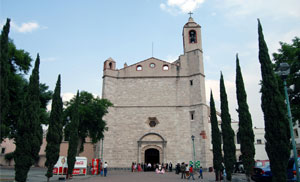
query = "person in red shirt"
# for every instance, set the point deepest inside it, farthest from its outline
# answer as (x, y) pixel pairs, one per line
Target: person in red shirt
(191, 173)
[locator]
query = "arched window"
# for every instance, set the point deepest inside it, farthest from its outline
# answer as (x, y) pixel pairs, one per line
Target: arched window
(165, 67)
(110, 65)
(193, 36)
(139, 68)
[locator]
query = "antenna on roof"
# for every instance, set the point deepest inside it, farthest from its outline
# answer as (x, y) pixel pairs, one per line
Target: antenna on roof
(152, 49)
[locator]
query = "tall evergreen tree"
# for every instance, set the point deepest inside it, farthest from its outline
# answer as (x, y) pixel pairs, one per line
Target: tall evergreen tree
(5, 72)
(29, 133)
(246, 134)
(216, 138)
(18, 63)
(54, 135)
(227, 132)
(276, 124)
(73, 139)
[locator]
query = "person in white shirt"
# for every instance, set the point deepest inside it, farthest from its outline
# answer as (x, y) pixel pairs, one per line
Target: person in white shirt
(105, 168)
(149, 167)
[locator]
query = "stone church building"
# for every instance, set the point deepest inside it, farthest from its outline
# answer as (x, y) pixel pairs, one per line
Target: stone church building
(158, 107)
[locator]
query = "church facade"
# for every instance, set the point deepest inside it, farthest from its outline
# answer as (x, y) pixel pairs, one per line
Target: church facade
(158, 108)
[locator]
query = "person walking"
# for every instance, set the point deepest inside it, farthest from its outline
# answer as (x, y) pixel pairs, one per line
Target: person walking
(200, 173)
(191, 171)
(182, 170)
(187, 170)
(105, 169)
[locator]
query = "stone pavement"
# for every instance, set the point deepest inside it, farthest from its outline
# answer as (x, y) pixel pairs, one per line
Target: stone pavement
(38, 175)
(117, 176)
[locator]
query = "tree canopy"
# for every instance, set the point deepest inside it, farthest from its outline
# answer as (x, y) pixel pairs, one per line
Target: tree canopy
(14, 64)
(290, 53)
(91, 111)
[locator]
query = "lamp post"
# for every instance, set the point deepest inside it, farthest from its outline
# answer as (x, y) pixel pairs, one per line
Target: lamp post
(193, 138)
(102, 151)
(283, 72)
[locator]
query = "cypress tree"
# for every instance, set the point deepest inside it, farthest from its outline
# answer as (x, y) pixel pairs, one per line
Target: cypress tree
(54, 135)
(277, 133)
(29, 132)
(227, 132)
(245, 124)
(4, 74)
(73, 139)
(216, 138)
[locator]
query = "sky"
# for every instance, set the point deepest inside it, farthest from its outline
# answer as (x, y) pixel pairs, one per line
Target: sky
(75, 37)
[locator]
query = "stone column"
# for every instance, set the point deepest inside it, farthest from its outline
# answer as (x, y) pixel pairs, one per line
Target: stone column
(138, 151)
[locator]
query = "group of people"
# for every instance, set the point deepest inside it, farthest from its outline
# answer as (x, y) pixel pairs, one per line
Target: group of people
(102, 168)
(138, 167)
(187, 171)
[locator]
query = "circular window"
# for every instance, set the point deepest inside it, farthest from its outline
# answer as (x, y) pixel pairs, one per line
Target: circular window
(139, 68)
(152, 65)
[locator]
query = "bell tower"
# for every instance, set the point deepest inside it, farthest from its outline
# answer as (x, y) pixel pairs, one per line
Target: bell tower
(191, 36)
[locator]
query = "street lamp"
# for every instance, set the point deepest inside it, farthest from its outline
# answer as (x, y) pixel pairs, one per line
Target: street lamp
(193, 138)
(283, 72)
(102, 151)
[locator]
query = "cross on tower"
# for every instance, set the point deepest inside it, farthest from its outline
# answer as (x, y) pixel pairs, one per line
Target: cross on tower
(190, 13)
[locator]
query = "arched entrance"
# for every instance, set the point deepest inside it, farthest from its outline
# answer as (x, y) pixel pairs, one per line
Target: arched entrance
(152, 141)
(152, 156)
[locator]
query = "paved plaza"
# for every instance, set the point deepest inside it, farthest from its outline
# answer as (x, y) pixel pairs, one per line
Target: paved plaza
(38, 175)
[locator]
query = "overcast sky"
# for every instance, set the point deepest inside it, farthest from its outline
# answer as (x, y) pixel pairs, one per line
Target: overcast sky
(75, 37)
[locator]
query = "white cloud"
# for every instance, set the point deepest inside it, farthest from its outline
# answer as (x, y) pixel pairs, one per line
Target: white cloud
(214, 85)
(181, 6)
(25, 27)
(67, 96)
(273, 38)
(171, 58)
(251, 75)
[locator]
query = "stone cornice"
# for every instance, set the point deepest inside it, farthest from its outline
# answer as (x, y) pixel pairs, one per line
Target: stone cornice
(145, 77)
(194, 105)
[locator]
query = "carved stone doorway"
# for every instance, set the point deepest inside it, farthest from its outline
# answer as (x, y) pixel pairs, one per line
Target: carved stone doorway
(151, 146)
